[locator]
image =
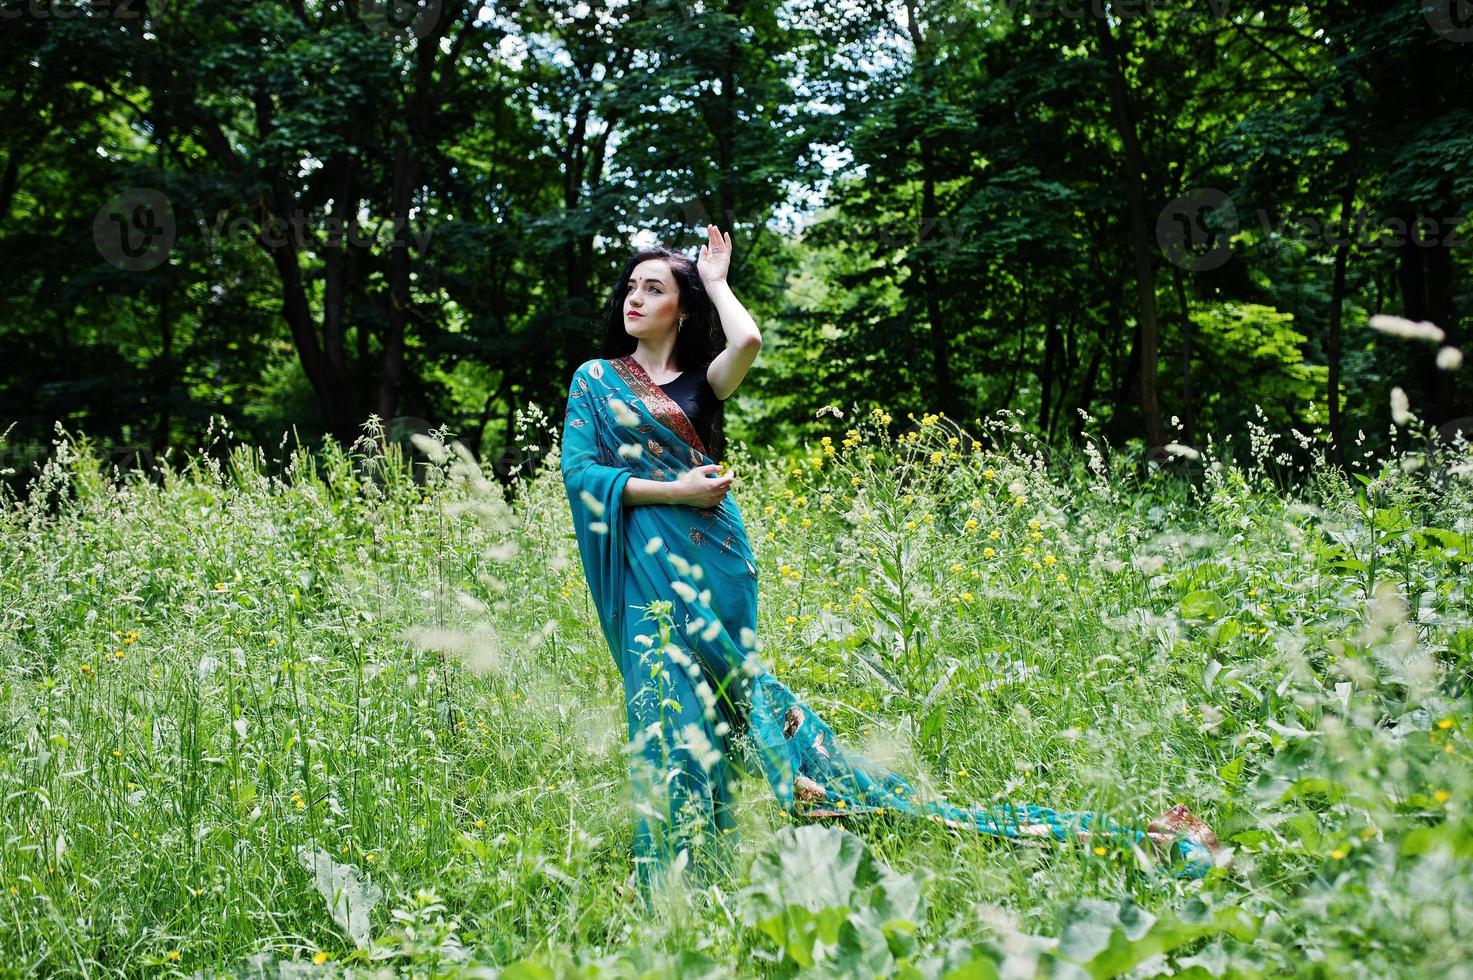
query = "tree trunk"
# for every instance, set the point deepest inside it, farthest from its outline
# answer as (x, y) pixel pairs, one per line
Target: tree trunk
(1337, 305)
(391, 381)
(1140, 233)
(1188, 416)
(1046, 372)
(163, 383)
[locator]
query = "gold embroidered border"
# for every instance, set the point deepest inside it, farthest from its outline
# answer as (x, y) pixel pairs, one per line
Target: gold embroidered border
(661, 405)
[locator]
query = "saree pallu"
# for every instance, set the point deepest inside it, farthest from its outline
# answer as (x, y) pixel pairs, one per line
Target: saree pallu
(701, 708)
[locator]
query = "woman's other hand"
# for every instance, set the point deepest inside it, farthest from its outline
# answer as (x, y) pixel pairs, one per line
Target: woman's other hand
(698, 488)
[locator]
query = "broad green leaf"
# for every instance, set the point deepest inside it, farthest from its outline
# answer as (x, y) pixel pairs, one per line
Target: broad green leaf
(1202, 604)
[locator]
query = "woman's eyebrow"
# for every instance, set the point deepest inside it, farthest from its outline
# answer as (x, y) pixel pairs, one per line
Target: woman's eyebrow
(649, 279)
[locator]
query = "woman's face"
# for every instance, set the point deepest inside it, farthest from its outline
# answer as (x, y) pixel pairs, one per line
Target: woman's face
(651, 307)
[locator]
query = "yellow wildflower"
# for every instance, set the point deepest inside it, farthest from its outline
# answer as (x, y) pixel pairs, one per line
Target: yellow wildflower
(988, 552)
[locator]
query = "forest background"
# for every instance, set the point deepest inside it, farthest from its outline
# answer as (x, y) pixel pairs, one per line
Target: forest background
(1167, 215)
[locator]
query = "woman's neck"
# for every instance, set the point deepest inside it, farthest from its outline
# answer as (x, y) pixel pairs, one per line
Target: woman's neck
(656, 361)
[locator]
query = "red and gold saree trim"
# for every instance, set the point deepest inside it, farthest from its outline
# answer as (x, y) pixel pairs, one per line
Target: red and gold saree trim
(661, 406)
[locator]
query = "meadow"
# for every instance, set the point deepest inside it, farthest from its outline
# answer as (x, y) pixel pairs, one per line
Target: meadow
(350, 713)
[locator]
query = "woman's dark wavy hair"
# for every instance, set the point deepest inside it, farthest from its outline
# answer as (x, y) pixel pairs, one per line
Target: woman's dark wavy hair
(696, 344)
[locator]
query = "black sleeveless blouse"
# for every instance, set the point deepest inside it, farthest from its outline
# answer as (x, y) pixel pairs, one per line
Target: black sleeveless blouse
(697, 399)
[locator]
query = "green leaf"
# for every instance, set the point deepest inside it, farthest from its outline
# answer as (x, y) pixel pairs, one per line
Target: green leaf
(1203, 604)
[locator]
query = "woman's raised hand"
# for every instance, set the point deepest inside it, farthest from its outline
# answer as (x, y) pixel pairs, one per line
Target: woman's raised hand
(698, 488)
(715, 256)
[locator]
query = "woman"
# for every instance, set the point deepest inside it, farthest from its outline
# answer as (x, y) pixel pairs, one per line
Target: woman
(657, 532)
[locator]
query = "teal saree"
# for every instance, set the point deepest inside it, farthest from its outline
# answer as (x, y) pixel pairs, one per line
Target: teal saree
(701, 707)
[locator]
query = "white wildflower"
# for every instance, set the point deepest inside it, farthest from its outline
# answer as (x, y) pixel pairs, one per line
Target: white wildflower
(623, 414)
(1401, 412)
(592, 503)
(693, 739)
(684, 590)
(653, 545)
(1449, 359)
(1398, 326)
(432, 448)
(631, 450)
(1177, 449)
(1148, 564)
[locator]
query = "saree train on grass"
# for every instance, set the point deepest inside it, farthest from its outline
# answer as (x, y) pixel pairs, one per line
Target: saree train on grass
(692, 700)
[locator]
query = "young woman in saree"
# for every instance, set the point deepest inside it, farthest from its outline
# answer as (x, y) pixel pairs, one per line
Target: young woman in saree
(657, 532)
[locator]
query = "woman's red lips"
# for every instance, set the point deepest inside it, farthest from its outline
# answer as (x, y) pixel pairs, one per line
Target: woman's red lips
(635, 313)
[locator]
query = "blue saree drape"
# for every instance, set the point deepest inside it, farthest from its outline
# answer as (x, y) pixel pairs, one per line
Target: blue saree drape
(696, 693)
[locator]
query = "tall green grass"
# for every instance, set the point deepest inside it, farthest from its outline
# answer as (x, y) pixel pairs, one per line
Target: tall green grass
(353, 711)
